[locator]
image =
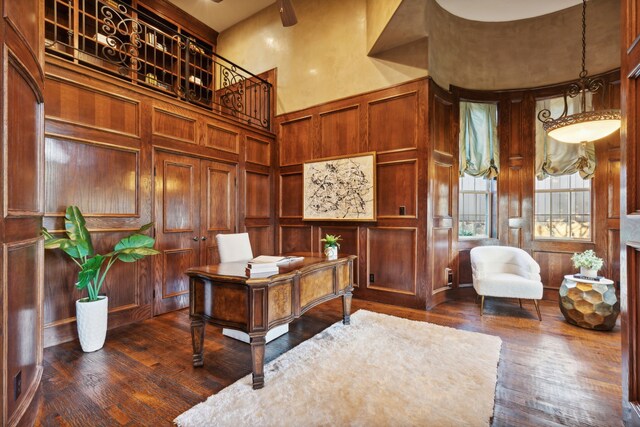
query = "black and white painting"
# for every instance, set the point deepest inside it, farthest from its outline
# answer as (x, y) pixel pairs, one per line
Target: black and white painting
(340, 189)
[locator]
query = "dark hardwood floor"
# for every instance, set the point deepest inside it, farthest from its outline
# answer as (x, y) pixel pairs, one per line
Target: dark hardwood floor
(550, 373)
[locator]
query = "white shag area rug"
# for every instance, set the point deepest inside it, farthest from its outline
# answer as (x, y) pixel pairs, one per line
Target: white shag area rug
(379, 371)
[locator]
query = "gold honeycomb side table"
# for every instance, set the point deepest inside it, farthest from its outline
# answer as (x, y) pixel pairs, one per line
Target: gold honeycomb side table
(589, 304)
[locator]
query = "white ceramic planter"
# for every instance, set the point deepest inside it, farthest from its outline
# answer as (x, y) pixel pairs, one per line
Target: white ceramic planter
(589, 272)
(331, 252)
(91, 318)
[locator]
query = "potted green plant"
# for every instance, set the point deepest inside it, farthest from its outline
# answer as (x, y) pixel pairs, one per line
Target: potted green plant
(588, 263)
(331, 246)
(92, 311)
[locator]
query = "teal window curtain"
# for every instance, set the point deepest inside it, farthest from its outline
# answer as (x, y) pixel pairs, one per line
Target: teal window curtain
(479, 149)
(555, 158)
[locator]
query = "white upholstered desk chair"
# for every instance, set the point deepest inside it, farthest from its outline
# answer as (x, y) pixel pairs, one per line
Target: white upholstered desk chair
(237, 248)
(503, 271)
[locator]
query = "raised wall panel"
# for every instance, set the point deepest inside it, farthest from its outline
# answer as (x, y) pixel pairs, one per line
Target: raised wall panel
(442, 188)
(258, 151)
(261, 238)
(340, 132)
(175, 281)
(553, 267)
(391, 258)
(100, 179)
(219, 196)
(442, 117)
(397, 186)
(75, 103)
(296, 141)
(258, 195)
(441, 248)
(291, 195)
(613, 189)
(23, 163)
(222, 138)
(174, 125)
(23, 15)
(178, 191)
(515, 191)
(295, 238)
(613, 255)
(23, 303)
(393, 123)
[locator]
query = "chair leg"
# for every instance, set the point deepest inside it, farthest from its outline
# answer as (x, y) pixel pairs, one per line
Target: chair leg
(477, 298)
(481, 304)
(520, 301)
(535, 301)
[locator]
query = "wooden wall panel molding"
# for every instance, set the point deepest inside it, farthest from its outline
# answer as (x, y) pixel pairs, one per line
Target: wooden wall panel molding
(397, 187)
(340, 131)
(87, 106)
(176, 124)
(258, 195)
(23, 155)
(261, 238)
(295, 139)
(394, 123)
(22, 265)
(391, 259)
(88, 162)
(291, 186)
(296, 238)
(258, 151)
(222, 138)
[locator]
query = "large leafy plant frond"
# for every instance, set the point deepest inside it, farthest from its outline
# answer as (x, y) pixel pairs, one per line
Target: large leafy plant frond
(134, 247)
(75, 226)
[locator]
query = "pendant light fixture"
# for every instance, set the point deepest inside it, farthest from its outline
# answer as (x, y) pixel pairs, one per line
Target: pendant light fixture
(582, 126)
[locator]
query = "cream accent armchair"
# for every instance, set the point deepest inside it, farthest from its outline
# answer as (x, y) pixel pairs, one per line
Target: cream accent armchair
(503, 271)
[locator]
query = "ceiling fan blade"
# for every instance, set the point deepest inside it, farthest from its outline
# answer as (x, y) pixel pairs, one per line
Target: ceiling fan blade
(287, 13)
(216, 1)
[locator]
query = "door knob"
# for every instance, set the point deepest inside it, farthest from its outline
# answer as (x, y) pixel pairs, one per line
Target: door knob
(203, 238)
(195, 238)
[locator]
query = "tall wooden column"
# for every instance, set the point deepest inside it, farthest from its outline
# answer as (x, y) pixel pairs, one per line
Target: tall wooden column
(21, 250)
(630, 211)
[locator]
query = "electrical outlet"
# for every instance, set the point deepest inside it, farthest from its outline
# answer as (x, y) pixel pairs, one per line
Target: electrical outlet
(371, 278)
(403, 210)
(17, 385)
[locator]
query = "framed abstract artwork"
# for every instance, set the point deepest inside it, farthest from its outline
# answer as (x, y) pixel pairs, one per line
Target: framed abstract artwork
(340, 188)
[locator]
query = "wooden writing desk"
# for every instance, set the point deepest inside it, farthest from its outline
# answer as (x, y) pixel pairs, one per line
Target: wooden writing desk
(224, 296)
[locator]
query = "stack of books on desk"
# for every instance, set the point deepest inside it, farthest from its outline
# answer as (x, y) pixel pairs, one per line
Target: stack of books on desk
(263, 266)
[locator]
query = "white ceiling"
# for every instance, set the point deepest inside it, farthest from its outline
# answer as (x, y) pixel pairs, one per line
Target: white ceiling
(503, 10)
(221, 16)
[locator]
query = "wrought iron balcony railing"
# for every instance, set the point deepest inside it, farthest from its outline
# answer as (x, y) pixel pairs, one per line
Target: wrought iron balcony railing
(135, 44)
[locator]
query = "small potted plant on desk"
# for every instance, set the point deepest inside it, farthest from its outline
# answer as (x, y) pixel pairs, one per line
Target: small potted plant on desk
(331, 246)
(588, 263)
(92, 311)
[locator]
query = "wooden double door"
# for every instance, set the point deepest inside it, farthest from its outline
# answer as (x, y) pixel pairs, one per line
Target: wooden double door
(195, 199)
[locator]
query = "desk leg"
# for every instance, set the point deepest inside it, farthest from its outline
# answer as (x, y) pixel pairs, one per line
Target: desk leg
(197, 340)
(346, 308)
(257, 360)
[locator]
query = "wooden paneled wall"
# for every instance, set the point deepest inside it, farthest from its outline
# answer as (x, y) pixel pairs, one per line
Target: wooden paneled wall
(392, 257)
(127, 156)
(21, 190)
(416, 259)
(516, 183)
